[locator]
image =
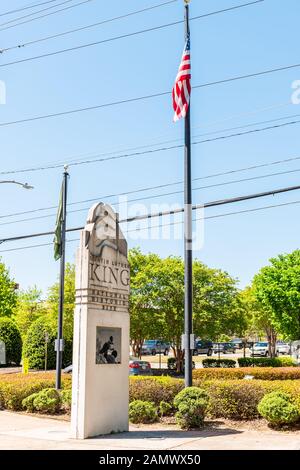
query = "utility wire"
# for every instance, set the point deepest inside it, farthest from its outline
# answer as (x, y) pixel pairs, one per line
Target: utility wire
(217, 216)
(152, 151)
(139, 229)
(82, 28)
(93, 25)
(35, 13)
(153, 196)
(217, 203)
(116, 38)
(149, 188)
(145, 97)
(46, 14)
(27, 7)
(69, 160)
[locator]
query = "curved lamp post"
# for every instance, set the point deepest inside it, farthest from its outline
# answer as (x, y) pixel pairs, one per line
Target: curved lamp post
(24, 185)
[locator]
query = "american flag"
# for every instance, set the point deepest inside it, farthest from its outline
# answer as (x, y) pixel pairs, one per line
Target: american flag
(182, 88)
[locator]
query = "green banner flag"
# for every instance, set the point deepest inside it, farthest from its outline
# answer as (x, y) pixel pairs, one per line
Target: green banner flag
(58, 228)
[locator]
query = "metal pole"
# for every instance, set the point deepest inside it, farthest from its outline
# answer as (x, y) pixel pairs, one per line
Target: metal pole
(188, 253)
(59, 342)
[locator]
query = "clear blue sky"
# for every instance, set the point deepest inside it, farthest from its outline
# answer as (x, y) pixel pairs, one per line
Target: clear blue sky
(239, 42)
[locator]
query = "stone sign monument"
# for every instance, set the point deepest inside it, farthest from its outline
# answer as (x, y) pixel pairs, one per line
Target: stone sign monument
(101, 328)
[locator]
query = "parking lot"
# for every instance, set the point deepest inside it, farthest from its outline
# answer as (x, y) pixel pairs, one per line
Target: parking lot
(160, 361)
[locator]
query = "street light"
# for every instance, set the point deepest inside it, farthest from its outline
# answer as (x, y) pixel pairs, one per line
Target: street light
(24, 185)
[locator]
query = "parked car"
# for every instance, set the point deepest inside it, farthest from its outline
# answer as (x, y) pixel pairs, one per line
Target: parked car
(260, 349)
(136, 367)
(203, 347)
(224, 348)
(139, 367)
(152, 347)
(238, 343)
(283, 348)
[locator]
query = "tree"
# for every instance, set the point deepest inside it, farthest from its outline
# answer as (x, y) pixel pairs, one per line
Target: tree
(157, 300)
(35, 344)
(145, 321)
(216, 304)
(8, 295)
(69, 301)
(260, 318)
(29, 308)
(41, 335)
(277, 287)
(10, 335)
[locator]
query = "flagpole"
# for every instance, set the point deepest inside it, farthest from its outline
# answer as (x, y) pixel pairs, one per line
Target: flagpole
(59, 346)
(188, 249)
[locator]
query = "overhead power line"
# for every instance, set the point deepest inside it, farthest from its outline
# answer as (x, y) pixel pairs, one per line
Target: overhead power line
(220, 202)
(116, 38)
(145, 97)
(140, 229)
(152, 151)
(149, 188)
(46, 14)
(154, 196)
(82, 28)
(35, 13)
(27, 7)
(216, 216)
(69, 160)
(93, 25)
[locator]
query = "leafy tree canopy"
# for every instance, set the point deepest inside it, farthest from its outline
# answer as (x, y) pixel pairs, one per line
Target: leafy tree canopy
(277, 287)
(8, 295)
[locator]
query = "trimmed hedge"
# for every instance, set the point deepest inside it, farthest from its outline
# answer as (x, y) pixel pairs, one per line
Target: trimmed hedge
(154, 389)
(236, 399)
(14, 388)
(11, 337)
(225, 363)
(263, 373)
(266, 362)
(232, 399)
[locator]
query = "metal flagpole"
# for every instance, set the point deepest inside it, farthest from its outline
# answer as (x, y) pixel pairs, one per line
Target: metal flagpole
(59, 346)
(188, 249)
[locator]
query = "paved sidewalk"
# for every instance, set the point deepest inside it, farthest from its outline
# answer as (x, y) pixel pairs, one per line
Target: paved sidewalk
(19, 431)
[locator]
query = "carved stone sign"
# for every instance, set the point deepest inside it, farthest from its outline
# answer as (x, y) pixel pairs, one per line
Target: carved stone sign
(101, 328)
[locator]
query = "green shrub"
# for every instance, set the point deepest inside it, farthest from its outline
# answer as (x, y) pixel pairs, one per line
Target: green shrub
(263, 373)
(66, 399)
(224, 363)
(14, 388)
(11, 337)
(47, 401)
(191, 404)
(27, 403)
(165, 409)
(278, 408)
(234, 399)
(266, 362)
(35, 346)
(238, 399)
(142, 412)
(154, 389)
